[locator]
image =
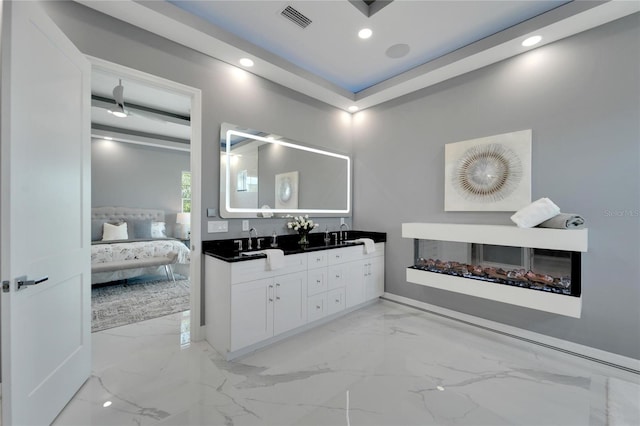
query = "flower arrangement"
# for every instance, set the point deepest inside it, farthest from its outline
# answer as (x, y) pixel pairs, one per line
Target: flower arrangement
(302, 225)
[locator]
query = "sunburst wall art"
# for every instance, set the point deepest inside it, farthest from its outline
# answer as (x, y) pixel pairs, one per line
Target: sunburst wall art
(488, 174)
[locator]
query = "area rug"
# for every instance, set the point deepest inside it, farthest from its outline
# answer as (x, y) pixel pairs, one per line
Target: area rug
(122, 304)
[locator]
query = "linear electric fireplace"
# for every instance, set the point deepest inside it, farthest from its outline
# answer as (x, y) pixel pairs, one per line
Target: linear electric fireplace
(554, 271)
(535, 268)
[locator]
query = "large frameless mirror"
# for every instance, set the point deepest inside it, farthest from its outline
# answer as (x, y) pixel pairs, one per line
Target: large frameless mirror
(264, 175)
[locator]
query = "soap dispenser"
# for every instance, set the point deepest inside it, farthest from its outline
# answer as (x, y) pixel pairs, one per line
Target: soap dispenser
(274, 239)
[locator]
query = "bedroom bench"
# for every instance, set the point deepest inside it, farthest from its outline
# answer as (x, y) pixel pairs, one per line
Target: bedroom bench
(118, 265)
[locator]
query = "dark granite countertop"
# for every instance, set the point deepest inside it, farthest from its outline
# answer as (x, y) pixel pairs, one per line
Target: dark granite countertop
(228, 251)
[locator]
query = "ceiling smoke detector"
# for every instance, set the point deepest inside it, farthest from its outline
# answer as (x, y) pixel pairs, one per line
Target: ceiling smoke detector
(296, 17)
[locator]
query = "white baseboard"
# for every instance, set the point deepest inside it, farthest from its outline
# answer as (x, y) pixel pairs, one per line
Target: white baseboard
(619, 361)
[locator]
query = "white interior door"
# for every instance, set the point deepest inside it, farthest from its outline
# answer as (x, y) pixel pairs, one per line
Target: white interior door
(44, 216)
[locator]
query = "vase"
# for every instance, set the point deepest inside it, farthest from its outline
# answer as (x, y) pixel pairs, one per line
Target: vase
(304, 240)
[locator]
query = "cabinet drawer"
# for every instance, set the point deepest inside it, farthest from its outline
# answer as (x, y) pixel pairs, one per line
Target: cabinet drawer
(249, 270)
(317, 259)
(338, 275)
(317, 307)
(345, 254)
(316, 281)
(335, 300)
(378, 253)
(292, 263)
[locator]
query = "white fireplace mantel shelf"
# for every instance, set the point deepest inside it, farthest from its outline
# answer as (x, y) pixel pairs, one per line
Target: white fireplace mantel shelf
(544, 238)
(501, 235)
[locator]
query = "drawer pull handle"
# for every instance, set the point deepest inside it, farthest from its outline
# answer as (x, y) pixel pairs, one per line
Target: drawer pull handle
(337, 300)
(317, 306)
(318, 281)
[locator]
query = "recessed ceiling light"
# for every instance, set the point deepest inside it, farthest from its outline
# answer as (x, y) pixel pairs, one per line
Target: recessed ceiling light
(106, 404)
(246, 62)
(365, 33)
(531, 41)
(353, 108)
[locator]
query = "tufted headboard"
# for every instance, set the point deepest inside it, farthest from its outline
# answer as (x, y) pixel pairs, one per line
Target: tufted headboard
(114, 214)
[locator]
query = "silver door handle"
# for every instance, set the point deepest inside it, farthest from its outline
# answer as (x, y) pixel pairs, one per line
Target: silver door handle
(23, 282)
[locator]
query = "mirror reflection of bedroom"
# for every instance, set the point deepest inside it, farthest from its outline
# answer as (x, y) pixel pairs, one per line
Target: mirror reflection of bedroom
(140, 201)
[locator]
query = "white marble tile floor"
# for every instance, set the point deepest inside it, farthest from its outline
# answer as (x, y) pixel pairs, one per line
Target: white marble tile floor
(387, 364)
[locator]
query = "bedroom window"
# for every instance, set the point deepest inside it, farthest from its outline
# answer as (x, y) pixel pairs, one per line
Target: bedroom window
(242, 181)
(186, 192)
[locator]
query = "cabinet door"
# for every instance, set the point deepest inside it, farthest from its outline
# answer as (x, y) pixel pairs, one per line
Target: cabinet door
(374, 278)
(290, 302)
(251, 312)
(354, 291)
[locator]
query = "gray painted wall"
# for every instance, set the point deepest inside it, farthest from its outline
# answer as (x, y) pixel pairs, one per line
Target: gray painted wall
(124, 174)
(228, 95)
(321, 179)
(581, 98)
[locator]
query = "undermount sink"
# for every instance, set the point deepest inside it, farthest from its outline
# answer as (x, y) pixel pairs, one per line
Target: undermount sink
(251, 253)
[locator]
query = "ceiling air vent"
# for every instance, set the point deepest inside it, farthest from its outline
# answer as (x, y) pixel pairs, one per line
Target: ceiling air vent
(296, 17)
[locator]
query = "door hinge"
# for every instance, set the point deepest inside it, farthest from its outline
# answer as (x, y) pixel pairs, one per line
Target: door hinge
(5, 286)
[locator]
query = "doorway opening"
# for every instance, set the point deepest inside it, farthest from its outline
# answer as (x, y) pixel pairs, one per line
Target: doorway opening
(145, 144)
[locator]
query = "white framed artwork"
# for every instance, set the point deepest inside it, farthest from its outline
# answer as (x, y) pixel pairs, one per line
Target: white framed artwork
(488, 174)
(287, 190)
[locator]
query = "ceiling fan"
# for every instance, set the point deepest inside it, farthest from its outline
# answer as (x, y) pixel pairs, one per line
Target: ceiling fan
(118, 95)
(122, 112)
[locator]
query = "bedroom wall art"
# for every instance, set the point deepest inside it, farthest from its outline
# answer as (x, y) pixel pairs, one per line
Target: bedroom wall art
(488, 174)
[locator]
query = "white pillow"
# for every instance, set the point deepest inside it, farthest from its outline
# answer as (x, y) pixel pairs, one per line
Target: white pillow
(112, 232)
(158, 230)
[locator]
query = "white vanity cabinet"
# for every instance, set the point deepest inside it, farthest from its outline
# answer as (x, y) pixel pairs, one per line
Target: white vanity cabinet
(373, 273)
(247, 305)
(360, 275)
(254, 321)
(263, 308)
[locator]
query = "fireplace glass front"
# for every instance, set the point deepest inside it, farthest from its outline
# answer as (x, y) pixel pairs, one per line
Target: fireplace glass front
(554, 271)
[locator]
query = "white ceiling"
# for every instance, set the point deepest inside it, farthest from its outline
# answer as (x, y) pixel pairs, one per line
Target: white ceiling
(137, 92)
(328, 62)
(330, 48)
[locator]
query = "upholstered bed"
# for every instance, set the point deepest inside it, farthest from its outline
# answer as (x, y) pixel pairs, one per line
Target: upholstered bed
(132, 243)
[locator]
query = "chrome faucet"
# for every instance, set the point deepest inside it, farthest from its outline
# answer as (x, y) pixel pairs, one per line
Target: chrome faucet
(251, 230)
(343, 234)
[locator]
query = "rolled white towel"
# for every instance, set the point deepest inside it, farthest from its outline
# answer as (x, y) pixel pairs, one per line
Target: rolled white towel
(275, 258)
(535, 213)
(369, 245)
(564, 221)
